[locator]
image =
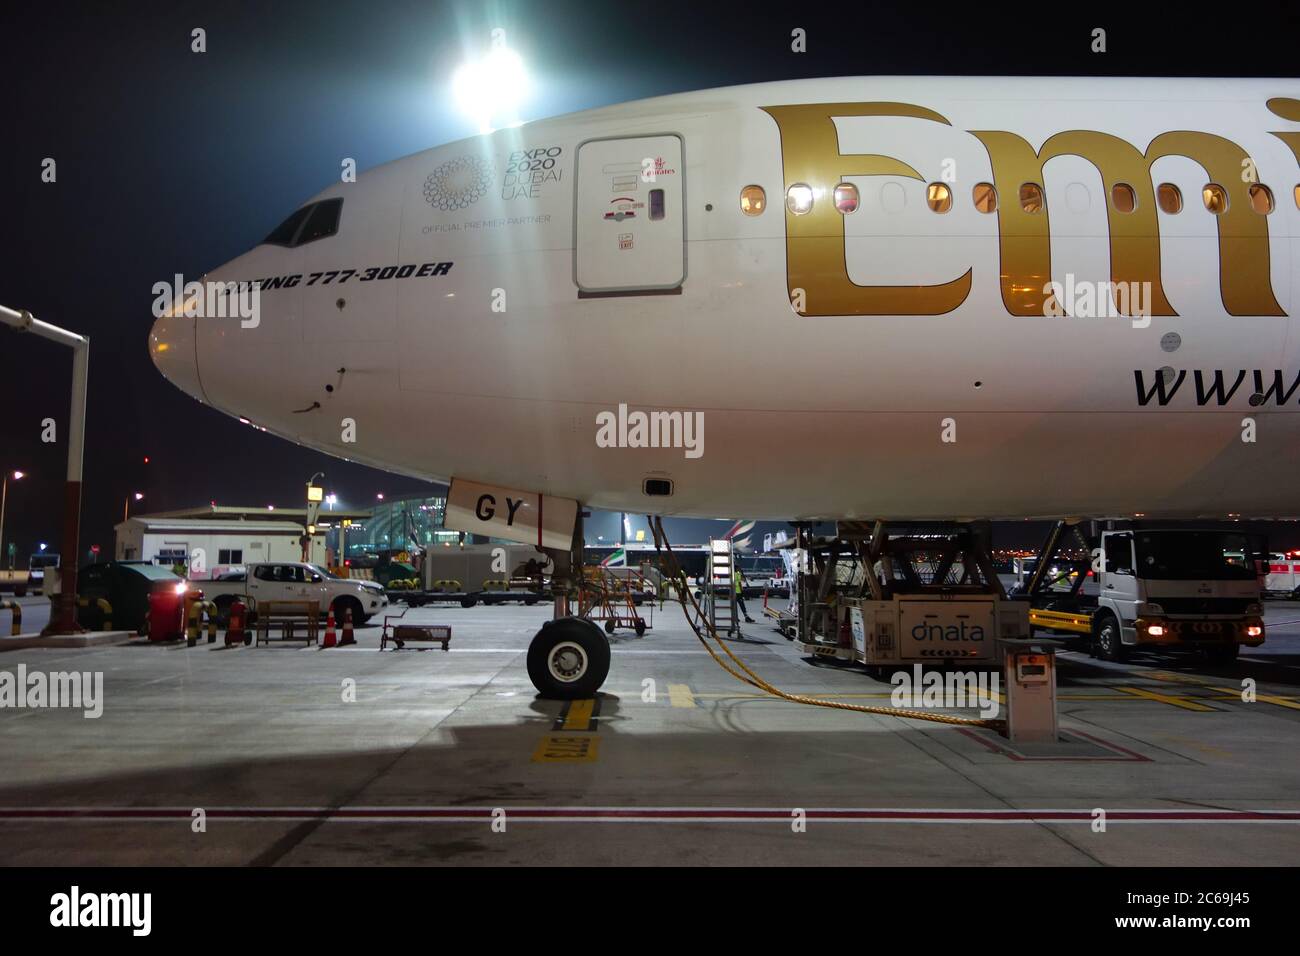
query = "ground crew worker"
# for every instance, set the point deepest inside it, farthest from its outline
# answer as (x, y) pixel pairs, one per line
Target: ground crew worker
(739, 578)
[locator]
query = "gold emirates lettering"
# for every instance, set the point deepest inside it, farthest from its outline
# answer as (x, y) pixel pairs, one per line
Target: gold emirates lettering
(815, 248)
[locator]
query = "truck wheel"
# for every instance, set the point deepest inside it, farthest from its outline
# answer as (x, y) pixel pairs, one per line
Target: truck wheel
(1223, 654)
(467, 602)
(1107, 640)
(568, 659)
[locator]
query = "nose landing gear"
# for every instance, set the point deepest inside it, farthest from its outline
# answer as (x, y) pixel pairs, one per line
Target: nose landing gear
(568, 659)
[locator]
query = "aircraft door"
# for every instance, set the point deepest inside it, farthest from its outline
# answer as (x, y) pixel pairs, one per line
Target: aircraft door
(630, 215)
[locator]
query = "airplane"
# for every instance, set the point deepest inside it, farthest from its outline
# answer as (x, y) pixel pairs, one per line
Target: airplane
(906, 298)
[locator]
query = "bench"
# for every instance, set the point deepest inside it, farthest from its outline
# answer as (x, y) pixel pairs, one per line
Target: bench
(288, 616)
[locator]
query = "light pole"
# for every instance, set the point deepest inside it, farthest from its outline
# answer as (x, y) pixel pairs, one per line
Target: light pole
(126, 506)
(315, 495)
(4, 495)
(63, 618)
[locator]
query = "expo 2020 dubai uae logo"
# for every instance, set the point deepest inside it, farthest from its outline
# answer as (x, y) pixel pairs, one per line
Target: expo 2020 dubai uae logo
(458, 183)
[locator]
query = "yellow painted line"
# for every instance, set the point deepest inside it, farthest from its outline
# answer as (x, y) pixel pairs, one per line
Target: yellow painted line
(559, 748)
(1171, 678)
(1279, 701)
(1234, 693)
(1184, 702)
(679, 695)
(578, 715)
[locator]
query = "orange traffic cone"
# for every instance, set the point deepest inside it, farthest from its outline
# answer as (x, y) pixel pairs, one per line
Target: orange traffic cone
(330, 638)
(347, 628)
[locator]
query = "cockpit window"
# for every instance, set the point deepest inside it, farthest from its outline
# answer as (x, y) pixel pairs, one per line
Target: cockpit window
(283, 234)
(315, 221)
(323, 221)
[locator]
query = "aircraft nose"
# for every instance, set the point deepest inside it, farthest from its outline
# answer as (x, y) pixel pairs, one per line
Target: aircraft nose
(173, 348)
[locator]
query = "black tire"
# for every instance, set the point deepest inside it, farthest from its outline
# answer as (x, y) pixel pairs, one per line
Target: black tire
(568, 659)
(530, 601)
(609, 626)
(1107, 640)
(640, 627)
(1223, 654)
(468, 602)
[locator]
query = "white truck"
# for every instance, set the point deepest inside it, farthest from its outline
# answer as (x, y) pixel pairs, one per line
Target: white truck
(296, 581)
(1283, 579)
(1157, 588)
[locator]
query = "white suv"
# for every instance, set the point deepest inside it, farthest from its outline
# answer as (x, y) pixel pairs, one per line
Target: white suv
(292, 581)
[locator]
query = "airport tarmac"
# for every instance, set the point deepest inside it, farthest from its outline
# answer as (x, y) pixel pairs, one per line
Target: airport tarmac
(449, 758)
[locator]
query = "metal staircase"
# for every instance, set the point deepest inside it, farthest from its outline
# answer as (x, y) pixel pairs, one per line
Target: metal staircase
(720, 592)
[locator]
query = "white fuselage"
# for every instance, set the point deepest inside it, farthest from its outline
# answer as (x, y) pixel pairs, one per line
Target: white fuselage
(527, 311)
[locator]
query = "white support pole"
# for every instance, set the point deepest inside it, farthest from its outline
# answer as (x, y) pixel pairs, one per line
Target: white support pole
(64, 620)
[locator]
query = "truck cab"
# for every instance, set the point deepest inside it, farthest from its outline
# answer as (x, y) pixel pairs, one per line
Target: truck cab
(1156, 587)
(1182, 586)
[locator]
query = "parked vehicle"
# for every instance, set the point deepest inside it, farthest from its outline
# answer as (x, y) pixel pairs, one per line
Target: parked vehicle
(1160, 587)
(296, 581)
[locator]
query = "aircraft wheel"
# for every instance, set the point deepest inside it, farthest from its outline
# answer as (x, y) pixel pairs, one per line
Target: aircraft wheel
(568, 659)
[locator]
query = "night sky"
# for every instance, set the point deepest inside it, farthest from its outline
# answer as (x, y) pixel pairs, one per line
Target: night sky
(170, 161)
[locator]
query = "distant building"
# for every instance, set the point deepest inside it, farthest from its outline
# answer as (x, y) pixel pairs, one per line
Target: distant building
(214, 539)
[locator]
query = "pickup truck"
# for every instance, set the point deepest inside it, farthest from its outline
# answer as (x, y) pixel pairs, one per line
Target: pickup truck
(294, 581)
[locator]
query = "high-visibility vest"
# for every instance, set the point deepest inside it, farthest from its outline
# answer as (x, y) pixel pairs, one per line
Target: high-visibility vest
(736, 577)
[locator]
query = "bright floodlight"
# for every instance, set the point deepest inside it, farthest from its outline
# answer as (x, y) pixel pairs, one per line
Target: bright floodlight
(492, 88)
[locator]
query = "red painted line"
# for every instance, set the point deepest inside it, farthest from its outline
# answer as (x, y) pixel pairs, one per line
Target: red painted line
(597, 814)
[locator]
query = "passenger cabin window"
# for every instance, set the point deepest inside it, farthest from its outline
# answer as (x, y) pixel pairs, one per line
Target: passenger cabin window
(1215, 198)
(1031, 198)
(1261, 199)
(1296, 194)
(938, 197)
(1123, 197)
(846, 198)
(315, 221)
(1169, 198)
(985, 197)
(753, 200)
(799, 199)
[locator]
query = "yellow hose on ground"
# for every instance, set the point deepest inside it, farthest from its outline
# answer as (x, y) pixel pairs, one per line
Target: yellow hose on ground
(753, 680)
